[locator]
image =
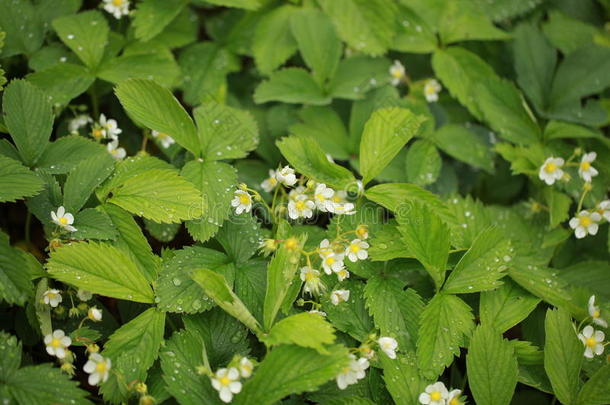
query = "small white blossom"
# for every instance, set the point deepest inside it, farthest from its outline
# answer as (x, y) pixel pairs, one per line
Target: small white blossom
(301, 207)
(346, 208)
(585, 170)
(333, 263)
(165, 140)
(585, 223)
(397, 71)
(595, 313)
(286, 176)
(603, 209)
(110, 126)
(311, 277)
(593, 341)
(270, 183)
(431, 89)
(226, 382)
(52, 297)
(362, 232)
(242, 201)
(84, 295)
(454, 397)
(57, 343)
(117, 8)
(79, 122)
(551, 171)
(245, 367)
(296, 193)
(434, 394)
(98, 368)
(63, 219)
(356, 370)
(339, 296)
(388, 345)
(95, 314)
(315, 311)
(115, 151)
(323, 198)
(342, 274)
(357, 250)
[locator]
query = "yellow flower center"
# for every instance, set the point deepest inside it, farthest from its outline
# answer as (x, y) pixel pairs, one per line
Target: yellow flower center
(584, 166)
(354, 248)
(435, 396)
(224, 380)
(300, 205)
(118, 3)
(51, 295)
(585, 221)
(550, 167)
(596, 313)
(292, 244)
(244, 199)
(97, 133)
(336, 199)
(320, 197)
(396, 73)
(309, 276)
(272, 181)
(56, 343)
(591, 342)
(246, 368)
(429, 89)
(361, 231)
(330, 260)
(455, 401)
(160, 135)
(342, 273)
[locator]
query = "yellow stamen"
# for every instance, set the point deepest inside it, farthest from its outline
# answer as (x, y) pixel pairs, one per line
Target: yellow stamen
(225, 380)
(330, 260)
(309, 276)
(584, 166)
(585, 221)
(591, 342)
(117, 2)
(97, 133)
(292, 243)
(596, 313)
(300, 205)
(550, 167)
(101, 367)
(56, 343)
(244, 199)
(354, 248)
(435, 396)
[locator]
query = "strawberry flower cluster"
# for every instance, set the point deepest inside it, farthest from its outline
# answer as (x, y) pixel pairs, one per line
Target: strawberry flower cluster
(227, 380)
(592, 339)
(438, 394)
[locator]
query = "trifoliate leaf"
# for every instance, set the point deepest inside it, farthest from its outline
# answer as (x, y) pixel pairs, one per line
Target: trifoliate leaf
(291, 85)
(86, 34)
(351, 316)
(304, 329)
(67, 152)
(423, 162)
(15, 285)
(445, 322)
(492, 367)
(17, 181)
(290, 369)
(159, 195)
(24, 30)
(29, 119)
(273, 42)
(100, 268)
(568, 33)
(396, 373)
(10, 355)
(152, 16)
(84, 179)
(464, 145)
(155, 106)
(563, 355)
(506, 306)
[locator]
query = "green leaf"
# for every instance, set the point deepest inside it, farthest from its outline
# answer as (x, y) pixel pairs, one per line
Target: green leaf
(504, 10)
(133, 348)
(281, 273)
(62, 82)
(86, 34)
(415, 36)
(351, 316)
(67, 152)
(155, 107)
(159, 195)
(17, 181)
(24, 31)
(558, 204)
(250, 285)
(396, 312)
(568, 33)
(94, 223)
(84, 179)
(492, 367)
(225, 132)
(291, 85)
(563, 355)
(506, 306)
(423, 162)
(445, 322)
(483, 265)
(396, 374)
(10, 355)
(247, 4)
(589, 274)
(367, 26)
(465, 145)
(15, 285)
(308, 158)
(461, 21)
(596, 391)
(325, 126)
(216, 182)
(175, 289)
(273, 42)
(215, 286)
(152, 16)
(29, 119)
(385, 133)
(158, 65)
(180, 357)
(304, 329)
(92, 267)
(356, 75)
(289, 370)
(427, 237)
(240, 236)
(318, 43)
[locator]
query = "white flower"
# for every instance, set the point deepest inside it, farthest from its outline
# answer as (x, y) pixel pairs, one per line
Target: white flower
(431, 89)
(117, 8)
(342, 274)
(98, 368)
(388, 345)
(286, 176)
(165, 139)
(344, 208)
(323, 198)
(585, 170)
(270, 183)
(84, 295)
(110, 126)
(245, 367)
(397, 71)
(454, 397)
(593, 341)
(550, 171)
(357, 250)
(362, 232)
(356, 370)
(52, 297)
(95, 314)
(57, 343)
(79, 122)
(595, 313)
(585, 223)
(242, 201)
(115, 151)
(338, 296)
(296, 192)
(63, 219)
(226, 382)
(311, 277)
(301, 207)
(325, 249)
(435, 394)
(315, 311)
(333, 262)
(604, 209)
